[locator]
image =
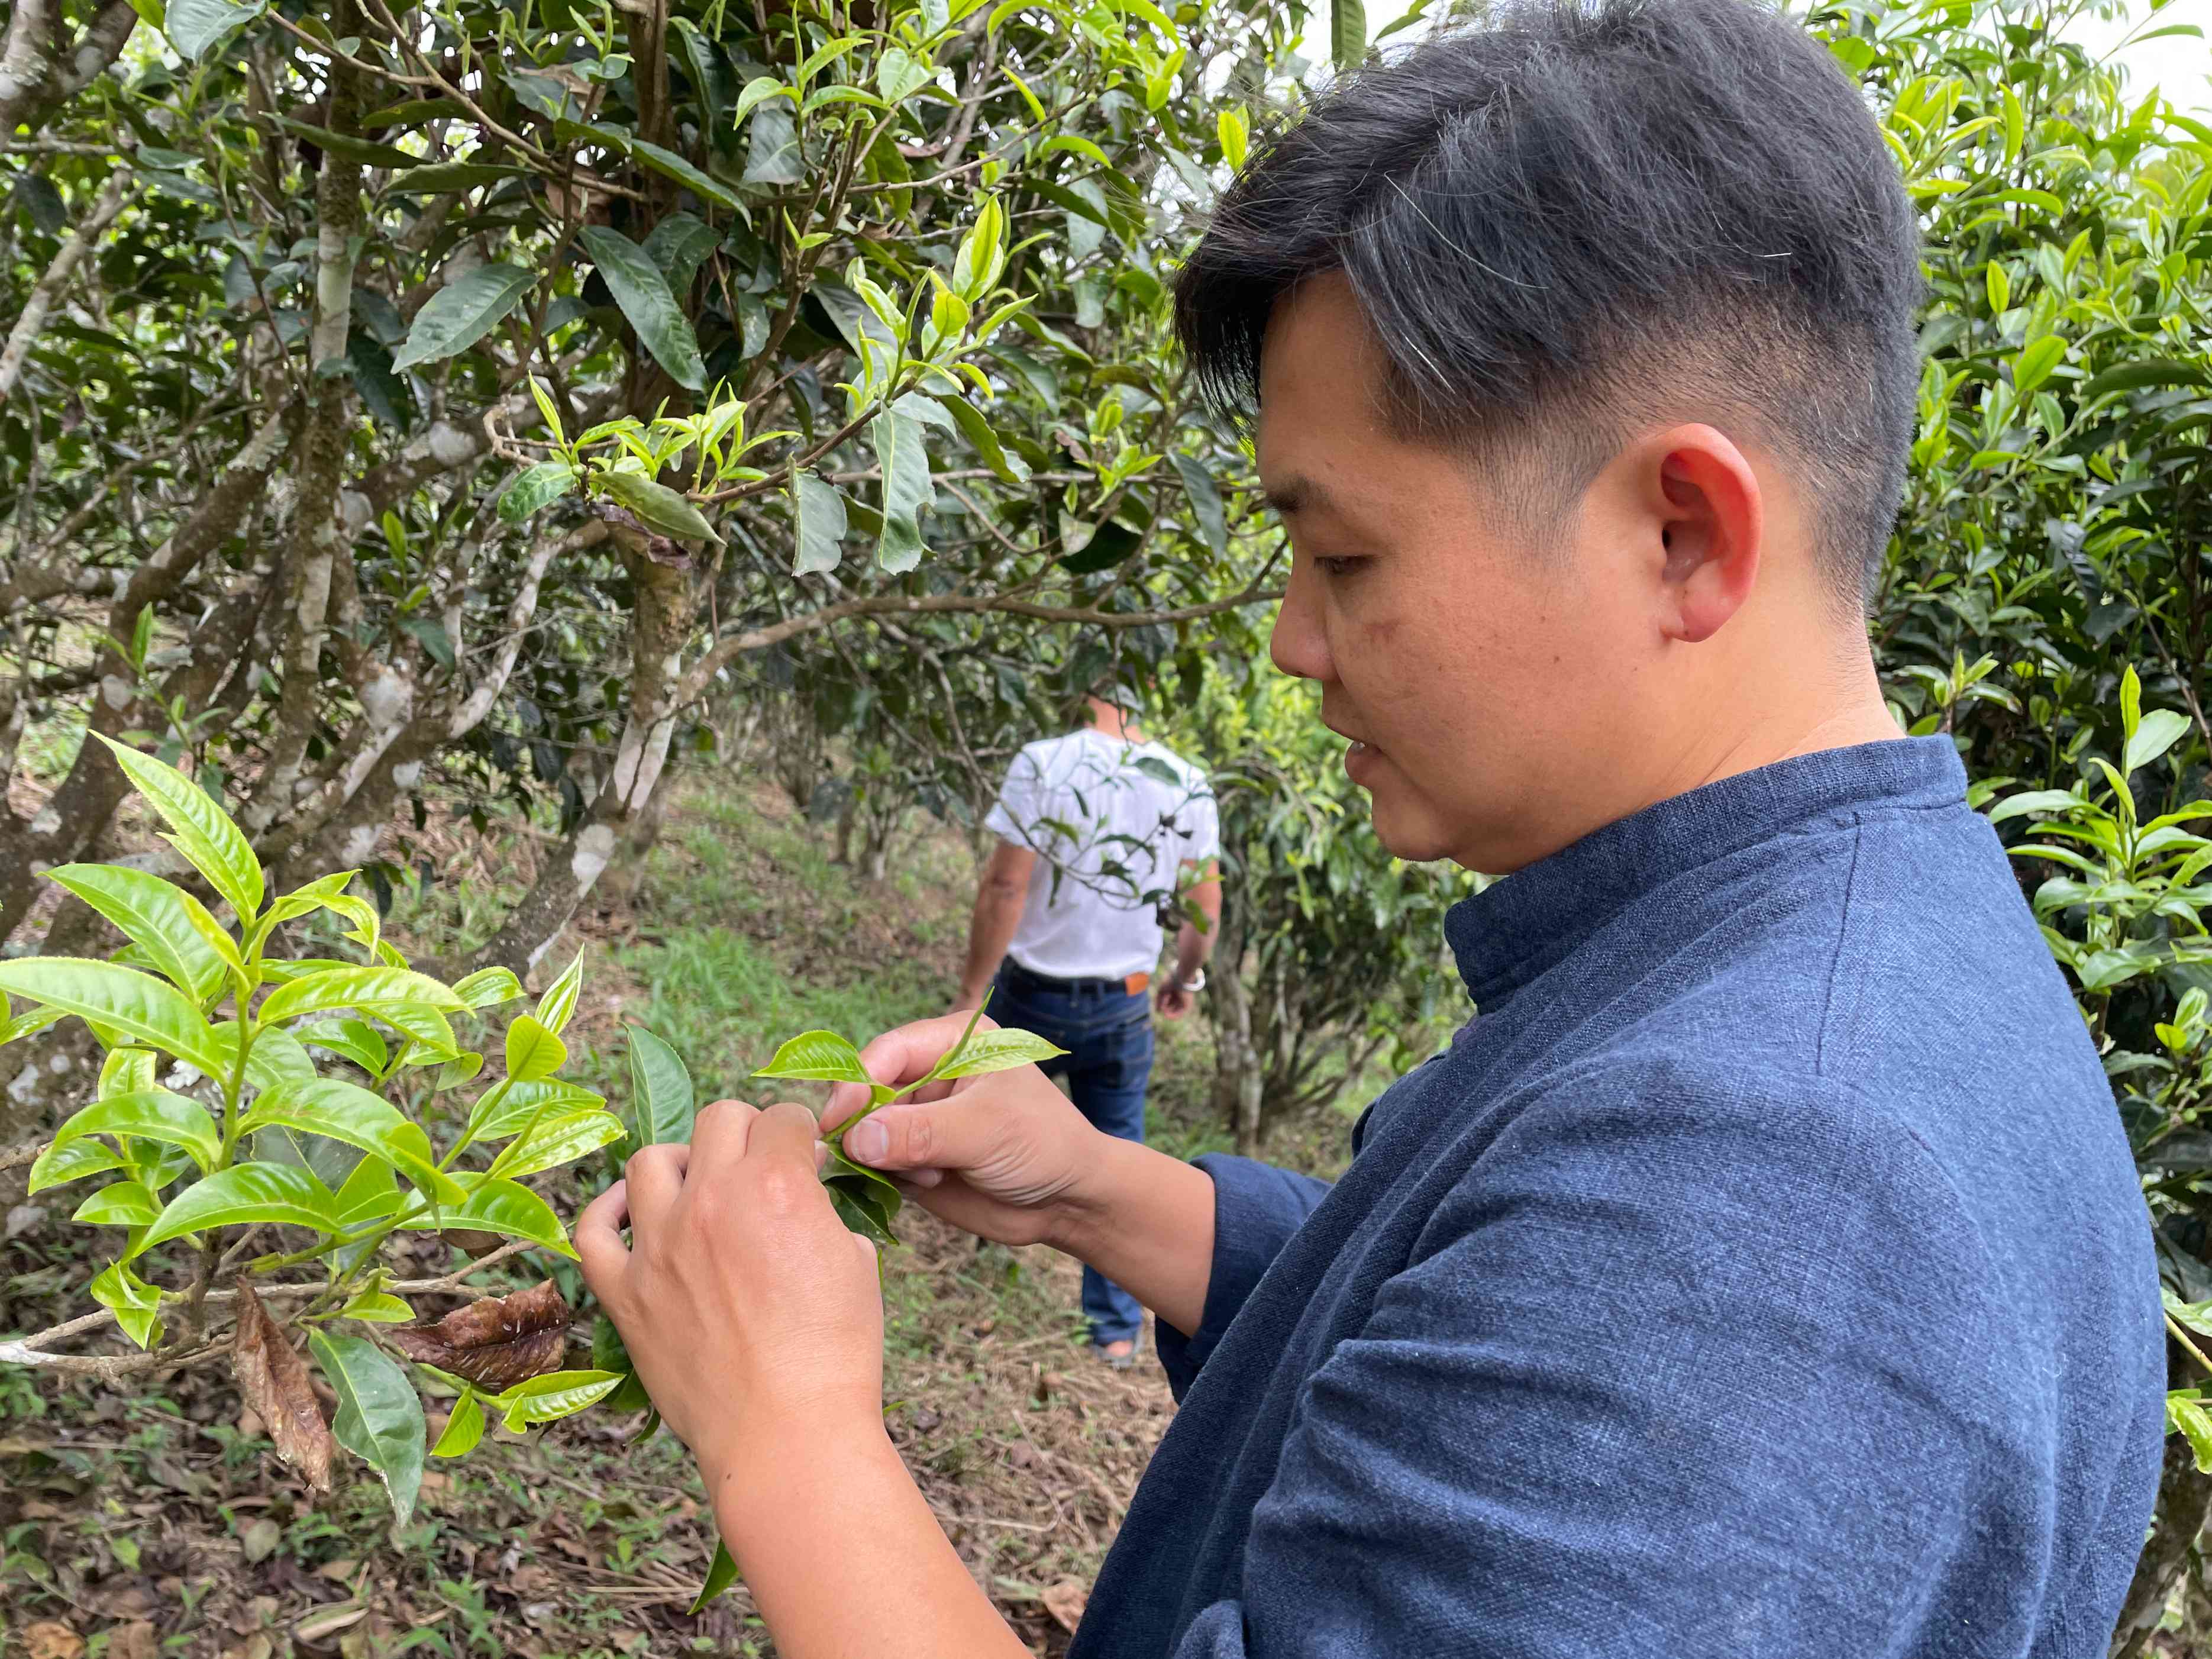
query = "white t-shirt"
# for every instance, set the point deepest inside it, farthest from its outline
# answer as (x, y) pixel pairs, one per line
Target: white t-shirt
(1111, 821)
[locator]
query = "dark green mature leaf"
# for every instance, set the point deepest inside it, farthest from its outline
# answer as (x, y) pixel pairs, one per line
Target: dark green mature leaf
(439, 177)
(642, 292)
(463, 312)
(721, 1576)
(818, 507)
(198, 827)
(248, 1192)
(534, 487)
(898, 441)
(679, 244)
(121, 998)
(196, 27)
(979, 432)
(1204, 501)
(1347, 33)
(379, 1419)
(1110, 545)
(658, 507)
(669, 165)
(367, 152)
(662, 1101)
(775, 157)
(2149, 372)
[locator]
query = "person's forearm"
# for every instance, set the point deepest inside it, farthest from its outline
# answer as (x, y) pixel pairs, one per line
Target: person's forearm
(1193, 950)
(1144, 1220)
(842, 1556)
(990, 930)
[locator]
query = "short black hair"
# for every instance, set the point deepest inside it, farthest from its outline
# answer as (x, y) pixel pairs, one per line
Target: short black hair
(1578, 216)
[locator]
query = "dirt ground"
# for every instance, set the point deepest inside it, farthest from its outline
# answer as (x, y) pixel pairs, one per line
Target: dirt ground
(161, 1521)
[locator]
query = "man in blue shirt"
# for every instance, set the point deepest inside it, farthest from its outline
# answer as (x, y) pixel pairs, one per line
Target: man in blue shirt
(1761, 1273)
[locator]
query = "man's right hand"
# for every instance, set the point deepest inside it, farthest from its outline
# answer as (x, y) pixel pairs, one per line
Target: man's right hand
(1004, 1155)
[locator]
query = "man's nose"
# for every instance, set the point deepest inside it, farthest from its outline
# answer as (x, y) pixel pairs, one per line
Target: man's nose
(1298, 644)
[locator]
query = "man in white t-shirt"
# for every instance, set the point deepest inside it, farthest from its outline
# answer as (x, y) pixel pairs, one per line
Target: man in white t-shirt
(1103, 833)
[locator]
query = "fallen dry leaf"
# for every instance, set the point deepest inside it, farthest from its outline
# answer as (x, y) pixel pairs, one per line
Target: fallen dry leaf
(1065, 1601)
(274, 1380)
(495, 1343)
(49, 1640)
(136, 1640)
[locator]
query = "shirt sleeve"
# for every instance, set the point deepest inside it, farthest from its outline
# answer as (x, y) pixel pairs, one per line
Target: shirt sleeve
(1203, 841)
(1019, 804)
(1655, 1380)
(1257, 1209)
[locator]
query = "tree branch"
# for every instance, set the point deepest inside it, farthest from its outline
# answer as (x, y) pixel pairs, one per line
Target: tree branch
(104, 207)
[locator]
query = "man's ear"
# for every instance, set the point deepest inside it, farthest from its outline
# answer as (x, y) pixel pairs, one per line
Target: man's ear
(1703, 503)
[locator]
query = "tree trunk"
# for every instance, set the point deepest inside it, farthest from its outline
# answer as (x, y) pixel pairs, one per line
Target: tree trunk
(2184, 1497)
(659, 624)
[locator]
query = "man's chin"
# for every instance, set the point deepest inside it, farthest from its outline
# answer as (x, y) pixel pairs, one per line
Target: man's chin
(1409, 835)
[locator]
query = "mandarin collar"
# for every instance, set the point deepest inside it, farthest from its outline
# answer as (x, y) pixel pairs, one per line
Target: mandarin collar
(1517, 928)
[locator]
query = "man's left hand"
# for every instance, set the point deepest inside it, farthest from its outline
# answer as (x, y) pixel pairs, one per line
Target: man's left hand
(1172, 1001)
(751, 1314)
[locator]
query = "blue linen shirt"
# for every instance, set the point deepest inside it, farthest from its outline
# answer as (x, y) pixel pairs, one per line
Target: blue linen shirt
(1763, 1273)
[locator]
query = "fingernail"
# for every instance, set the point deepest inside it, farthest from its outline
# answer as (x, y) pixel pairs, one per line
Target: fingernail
(868, 1141)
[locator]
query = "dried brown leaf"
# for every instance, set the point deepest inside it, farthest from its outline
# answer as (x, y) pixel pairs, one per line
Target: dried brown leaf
(1065, 1601)
(495, 1343)
(274, 1380)
(49, 1640)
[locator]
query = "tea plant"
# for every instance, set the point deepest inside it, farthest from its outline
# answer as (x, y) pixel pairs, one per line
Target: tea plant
(262, 1125)
(2124, 909)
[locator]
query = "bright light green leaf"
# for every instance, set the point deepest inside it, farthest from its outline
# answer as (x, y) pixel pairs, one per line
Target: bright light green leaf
(343, 1111)
(558, 1140)
(534, 487)
(2160, 730)
(281, 1193)
(820, 1054)
(135, 1304)
(555, 1395)
(139, 1004)
(488, 988)
(119, 1203)
(523, 1102)
(2033, 366)
(154, 915)
(533, 1051)
(198, 827)
(997, 1051)
(149, 1115)
(464, 1429)
(64, 1161)
(559, 1001)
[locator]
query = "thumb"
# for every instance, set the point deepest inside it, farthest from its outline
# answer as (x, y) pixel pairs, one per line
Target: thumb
(938, 1136)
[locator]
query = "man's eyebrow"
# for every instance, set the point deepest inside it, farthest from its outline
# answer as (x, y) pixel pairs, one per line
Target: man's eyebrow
(1297, 495)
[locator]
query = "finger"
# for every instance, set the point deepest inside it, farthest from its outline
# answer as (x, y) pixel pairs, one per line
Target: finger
(897, 1058)
(720, 1135)
(597, 1238)
(943, 1135)
(654, 1174)
(783, 1133)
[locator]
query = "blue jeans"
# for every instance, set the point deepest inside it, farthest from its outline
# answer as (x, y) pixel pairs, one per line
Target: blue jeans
(1108, 1034)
